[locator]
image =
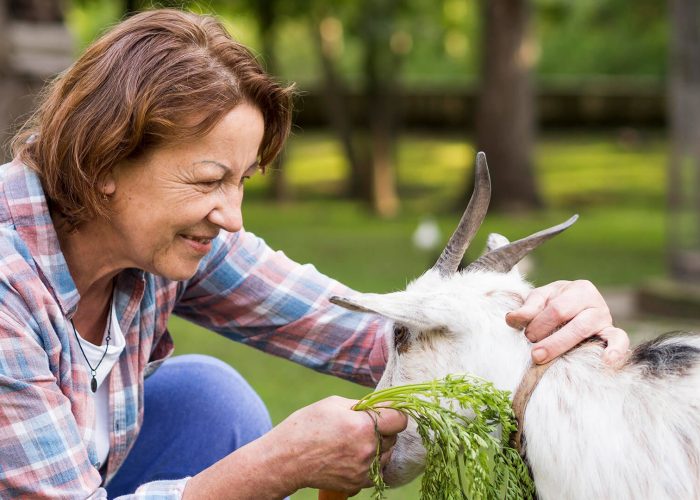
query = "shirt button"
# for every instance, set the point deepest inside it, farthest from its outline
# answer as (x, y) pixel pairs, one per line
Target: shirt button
(98, 465)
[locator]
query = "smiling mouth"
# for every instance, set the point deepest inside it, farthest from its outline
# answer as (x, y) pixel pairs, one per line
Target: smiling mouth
(197, 239)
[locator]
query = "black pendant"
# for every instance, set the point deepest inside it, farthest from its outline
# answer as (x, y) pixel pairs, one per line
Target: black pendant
(93, 384)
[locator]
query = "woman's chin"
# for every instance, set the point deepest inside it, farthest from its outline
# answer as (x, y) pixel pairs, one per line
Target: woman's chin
(180, 271)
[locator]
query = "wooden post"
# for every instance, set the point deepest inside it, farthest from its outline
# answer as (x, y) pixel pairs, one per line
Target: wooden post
(680, 295)
(683, 244)
(34, 46)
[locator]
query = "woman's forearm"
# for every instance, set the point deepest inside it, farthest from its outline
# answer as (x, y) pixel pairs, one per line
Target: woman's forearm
(257, 470)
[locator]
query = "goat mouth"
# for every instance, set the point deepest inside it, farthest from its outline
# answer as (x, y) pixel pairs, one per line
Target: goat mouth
(395, 476)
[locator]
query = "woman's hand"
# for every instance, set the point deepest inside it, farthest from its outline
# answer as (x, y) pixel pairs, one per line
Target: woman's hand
(334, 445)
(558, 316)
(326, 445)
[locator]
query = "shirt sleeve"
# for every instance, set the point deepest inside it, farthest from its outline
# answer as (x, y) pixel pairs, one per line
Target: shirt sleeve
(158, 490)
(41, 444)
(252, 294)
(42, 451)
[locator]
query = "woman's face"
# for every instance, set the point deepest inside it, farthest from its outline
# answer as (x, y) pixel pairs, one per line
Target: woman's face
(172, 203)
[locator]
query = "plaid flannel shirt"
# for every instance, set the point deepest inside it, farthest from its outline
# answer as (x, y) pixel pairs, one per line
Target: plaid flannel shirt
(242, 290)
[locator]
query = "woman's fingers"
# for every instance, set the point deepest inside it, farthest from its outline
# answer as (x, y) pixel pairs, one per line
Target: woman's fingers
(558, 316)
(337, 444)
(618, 345)
(387, 442)
(566, 302)
(569, 335)
(390, 422)
(534, 303)
(385, 457)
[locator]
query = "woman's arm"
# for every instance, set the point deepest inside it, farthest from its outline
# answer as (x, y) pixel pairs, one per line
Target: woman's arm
(249, 293)
(325, 445)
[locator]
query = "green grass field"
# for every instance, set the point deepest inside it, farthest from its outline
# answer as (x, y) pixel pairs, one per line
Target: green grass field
(617, 188)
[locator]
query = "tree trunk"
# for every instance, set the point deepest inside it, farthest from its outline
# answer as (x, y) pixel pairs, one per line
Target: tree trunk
(684, 117)
(380, 68)
(339, 116)
(265, 12)
(505, 114)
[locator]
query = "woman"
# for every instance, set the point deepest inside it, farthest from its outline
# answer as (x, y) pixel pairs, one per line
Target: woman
(123, 206)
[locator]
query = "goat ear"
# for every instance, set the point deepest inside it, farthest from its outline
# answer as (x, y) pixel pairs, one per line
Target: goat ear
(495, 241)
(395, 306)
(351, 304)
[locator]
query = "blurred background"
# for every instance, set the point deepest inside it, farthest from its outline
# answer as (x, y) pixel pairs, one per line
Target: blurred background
(588, 106)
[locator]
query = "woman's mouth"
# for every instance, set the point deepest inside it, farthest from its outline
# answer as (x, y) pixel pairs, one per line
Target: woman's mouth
(200, 244)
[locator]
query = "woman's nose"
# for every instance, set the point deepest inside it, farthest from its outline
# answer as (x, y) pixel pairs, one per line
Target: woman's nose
(227, 214)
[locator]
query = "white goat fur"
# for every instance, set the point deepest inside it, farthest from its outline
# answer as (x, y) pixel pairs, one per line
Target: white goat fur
(590, 431)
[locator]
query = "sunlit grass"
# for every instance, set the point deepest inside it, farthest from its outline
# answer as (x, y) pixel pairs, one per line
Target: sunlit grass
(586, 171)
(573, 171)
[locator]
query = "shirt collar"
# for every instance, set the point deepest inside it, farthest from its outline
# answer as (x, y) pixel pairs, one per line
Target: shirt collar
(29, 213)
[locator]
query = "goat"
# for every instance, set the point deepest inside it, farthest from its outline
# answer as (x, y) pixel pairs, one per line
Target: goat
(590, 431)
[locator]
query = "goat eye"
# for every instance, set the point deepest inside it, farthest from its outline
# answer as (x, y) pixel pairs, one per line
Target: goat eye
(400, 338)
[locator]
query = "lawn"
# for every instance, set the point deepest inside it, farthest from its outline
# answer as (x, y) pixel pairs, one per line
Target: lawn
(617, 186)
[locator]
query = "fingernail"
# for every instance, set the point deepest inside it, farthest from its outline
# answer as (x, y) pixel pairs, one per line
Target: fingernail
(539, 354)
(512, 322)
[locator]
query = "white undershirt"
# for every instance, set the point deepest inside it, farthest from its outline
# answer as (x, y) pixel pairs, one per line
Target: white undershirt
(94, 354)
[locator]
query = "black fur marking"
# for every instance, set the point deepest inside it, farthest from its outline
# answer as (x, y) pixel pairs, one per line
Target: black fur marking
(659, 357)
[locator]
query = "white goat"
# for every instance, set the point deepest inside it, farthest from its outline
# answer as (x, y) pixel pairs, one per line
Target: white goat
(590, 431)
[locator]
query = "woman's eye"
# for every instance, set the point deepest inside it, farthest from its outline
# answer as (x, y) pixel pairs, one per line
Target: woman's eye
(210, 184)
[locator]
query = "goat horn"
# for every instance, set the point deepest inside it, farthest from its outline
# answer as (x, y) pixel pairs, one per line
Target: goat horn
(504, 258)
(470, 222)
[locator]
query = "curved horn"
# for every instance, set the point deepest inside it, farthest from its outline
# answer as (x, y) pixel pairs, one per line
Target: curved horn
(504, 258)
(470, 222)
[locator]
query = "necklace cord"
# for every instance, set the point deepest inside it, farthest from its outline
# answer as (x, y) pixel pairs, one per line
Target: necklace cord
(93, 371)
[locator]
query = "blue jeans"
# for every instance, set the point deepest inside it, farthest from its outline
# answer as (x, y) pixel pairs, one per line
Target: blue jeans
(197, 410)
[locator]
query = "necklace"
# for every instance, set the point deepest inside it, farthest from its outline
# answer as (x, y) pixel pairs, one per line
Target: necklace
(93, 371)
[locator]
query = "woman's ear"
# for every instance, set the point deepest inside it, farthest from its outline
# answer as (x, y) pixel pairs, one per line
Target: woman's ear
(108, 185)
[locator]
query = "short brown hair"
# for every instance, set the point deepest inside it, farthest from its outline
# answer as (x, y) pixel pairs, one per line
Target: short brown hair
(139, 86)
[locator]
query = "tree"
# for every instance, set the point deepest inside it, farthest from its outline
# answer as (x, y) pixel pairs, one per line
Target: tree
(369, 152)
(505, 114)
(265, 12)
(381, 65)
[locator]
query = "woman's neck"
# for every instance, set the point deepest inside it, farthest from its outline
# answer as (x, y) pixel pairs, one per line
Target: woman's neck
(93, 266)
(89, 251)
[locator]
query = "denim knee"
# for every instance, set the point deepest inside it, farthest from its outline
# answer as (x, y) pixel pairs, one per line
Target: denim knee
(197, 410)
(216, 396)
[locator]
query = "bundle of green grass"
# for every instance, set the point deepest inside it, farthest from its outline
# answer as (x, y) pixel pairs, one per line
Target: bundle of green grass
(465, 424)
